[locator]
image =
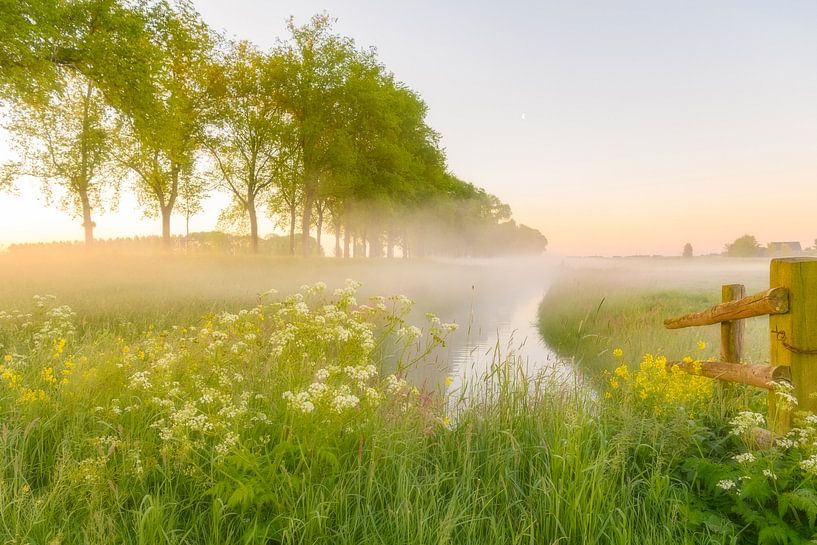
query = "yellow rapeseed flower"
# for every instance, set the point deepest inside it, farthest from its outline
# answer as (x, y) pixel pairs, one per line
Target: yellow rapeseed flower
(47, 375)
(701, 345)
(449, 381)
(11, 378)
(59, 346)
(29, 395)
(655, 387)
(618, 352)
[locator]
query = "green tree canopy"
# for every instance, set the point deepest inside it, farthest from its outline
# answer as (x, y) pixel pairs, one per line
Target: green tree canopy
(67, 143)
(164, 127)
(745, 246)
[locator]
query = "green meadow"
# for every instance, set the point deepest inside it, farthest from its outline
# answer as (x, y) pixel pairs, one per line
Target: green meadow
(167, 407)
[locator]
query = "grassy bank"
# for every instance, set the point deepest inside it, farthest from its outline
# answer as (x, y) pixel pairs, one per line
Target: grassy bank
(588, 313)
(275, 419)
(276, 424)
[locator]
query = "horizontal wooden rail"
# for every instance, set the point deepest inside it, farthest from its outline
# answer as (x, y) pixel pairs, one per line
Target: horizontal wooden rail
(773, 301)
(753, 375)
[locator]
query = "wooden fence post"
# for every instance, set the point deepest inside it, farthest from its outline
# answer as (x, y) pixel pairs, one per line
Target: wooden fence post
(732, 332)
(794, 336)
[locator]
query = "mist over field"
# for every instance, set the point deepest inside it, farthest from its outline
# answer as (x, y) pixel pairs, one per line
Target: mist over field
(466, 273)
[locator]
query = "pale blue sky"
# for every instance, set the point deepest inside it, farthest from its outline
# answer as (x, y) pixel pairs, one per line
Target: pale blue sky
(646, 124)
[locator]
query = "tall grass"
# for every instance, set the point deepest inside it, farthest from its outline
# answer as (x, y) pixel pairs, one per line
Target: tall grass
(588, 314)
(121, 452)
(162, 413)
(544, 467)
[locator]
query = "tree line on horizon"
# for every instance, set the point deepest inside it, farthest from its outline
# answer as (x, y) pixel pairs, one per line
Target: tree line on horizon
(103, 95)
(748, 246)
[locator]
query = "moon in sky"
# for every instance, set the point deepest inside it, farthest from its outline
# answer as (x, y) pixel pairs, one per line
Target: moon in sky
(524, 116)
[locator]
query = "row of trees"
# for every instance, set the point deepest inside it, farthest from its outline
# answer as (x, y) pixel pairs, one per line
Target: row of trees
(315, 131)
(748, 246)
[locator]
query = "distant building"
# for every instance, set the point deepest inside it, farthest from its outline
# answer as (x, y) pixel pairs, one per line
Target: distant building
(783, 249)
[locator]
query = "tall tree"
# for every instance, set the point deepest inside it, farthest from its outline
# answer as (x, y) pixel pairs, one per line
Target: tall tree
(397, 155)
(67, 143)
(316, 65)
(246, 135)
(285, 202)
(192, 190)
(32, 46)
(104, 40)
(164, 127)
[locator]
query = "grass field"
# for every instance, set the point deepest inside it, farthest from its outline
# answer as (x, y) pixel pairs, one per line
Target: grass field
(596, 307)
(172, 404)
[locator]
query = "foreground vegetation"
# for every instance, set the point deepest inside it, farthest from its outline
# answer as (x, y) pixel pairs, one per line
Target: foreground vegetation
(588, 313)
(740, 491)
(289, 422)
(141, 416)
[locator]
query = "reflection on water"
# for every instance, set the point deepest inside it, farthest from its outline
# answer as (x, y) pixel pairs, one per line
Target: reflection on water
(507, 330)
(496, 308)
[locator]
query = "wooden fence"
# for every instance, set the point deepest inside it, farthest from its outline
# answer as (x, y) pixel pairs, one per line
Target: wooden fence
(791, 304)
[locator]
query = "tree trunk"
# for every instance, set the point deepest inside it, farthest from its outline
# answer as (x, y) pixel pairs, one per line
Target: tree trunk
(406, 249)
(346, 241)
(306, 223)
(253, 223)
(167, 208)
(320, 229)
(292, 221)
(87, 222)
(337, 239)
(375, 245)
(166, 212)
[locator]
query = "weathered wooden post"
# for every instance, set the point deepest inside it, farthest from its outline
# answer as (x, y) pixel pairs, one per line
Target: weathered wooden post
(732, 331)
(794, 336)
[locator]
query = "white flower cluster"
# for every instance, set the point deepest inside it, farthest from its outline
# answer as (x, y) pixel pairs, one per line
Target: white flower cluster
(745, 421)
(41, 301)
(744, 458)
(15, 317)
(360, 374)
(449, 327)
(395, 385)
(202, 382)
(343, 402)
(300, 402)
(140, 380)
(726, 484)
(809, 465)
(58, 323)
(410, 333)
(339, 389)
(227, 444)
(784, 392)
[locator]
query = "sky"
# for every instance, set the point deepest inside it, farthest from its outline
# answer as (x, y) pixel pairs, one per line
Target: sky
(615, 128)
